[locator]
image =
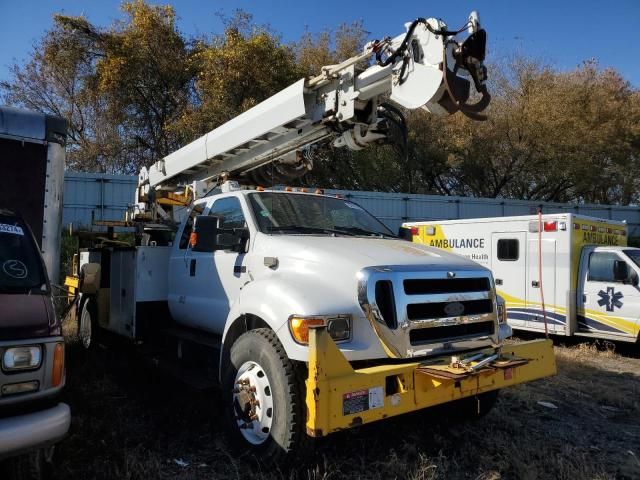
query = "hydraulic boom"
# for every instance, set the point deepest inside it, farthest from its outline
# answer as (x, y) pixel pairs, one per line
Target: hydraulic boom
(347, 105)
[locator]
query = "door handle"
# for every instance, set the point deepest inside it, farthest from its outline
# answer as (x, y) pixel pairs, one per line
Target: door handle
(535, 284)
(584, 298)
(498, 281)
(192, 267)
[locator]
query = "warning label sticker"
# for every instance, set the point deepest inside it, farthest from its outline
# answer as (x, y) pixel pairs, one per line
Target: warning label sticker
(16, 230)
(355, 402)
(376, 397)
(362, 400)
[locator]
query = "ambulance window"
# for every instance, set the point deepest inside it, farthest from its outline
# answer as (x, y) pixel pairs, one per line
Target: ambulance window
(601, 266)
(634, 255)
(508, 249)
(188, 226)
(230, 213)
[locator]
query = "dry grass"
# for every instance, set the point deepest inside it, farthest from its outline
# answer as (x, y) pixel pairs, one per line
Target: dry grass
(129, 423)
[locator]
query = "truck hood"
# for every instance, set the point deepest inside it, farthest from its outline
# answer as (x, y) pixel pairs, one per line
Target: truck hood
(25, 316)
(356, 253)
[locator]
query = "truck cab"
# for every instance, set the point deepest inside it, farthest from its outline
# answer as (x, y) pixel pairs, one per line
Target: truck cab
(285, 256)
(32, 375)
(608, 292)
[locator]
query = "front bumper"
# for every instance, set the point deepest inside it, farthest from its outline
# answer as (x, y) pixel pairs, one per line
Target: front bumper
(340, 397)
(22, 433)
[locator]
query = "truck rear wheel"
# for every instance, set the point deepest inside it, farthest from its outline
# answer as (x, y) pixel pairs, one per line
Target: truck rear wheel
(264, 401)
(88, 323)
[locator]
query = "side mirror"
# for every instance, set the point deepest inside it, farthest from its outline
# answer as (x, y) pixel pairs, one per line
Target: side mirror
(621, 271)
(207, 235)
(405, 234)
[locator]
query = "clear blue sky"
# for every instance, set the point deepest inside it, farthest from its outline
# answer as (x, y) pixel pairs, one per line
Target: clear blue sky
(562, 32)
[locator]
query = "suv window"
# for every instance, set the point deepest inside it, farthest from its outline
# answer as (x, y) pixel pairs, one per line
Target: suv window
(188, 226)
(21, 267)
(230, 212)
(601, 266)
(508, 249)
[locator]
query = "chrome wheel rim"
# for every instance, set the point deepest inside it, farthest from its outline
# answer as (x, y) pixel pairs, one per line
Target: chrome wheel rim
(85, 329)
(253, 403)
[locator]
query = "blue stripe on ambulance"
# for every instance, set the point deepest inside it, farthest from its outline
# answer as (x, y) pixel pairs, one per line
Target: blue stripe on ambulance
(535, 315)
(588, 323)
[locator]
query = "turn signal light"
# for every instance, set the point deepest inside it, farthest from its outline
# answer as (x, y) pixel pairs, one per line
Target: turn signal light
(338, 327)
(193, 239)
(299, 328)
(57, 373)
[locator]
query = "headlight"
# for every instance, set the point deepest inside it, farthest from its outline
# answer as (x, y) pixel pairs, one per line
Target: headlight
(21, 358)
(338, 327)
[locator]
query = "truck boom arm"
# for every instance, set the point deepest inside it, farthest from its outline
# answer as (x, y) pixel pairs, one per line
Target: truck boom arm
(344, 106)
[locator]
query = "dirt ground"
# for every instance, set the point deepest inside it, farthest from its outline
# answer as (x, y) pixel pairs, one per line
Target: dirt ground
(130, 423)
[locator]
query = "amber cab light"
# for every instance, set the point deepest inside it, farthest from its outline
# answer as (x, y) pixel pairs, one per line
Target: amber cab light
(299, 327)
(57, 373)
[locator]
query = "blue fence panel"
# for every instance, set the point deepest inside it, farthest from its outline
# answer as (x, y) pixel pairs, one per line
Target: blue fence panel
(89, 196)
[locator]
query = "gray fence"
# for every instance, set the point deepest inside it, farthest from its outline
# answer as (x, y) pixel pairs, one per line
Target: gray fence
(90, 196)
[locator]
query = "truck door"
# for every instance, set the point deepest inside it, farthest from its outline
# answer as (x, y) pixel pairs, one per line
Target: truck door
(180, 280)
(535, 291)
(605, 304)
(210, 281)
(508, 261)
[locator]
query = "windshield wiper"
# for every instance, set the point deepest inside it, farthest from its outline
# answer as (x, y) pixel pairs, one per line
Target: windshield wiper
(362, 231)
(309, 230)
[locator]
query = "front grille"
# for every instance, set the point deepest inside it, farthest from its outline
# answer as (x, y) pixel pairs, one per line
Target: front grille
(408, 304)
(425, 286)
(386, 303)
(425, 311)
(425, 335)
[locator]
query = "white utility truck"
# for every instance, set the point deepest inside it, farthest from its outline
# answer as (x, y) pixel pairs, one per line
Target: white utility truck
(312, 315)
(577, 272)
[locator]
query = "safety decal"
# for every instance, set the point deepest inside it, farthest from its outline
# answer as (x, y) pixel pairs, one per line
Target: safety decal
(15, 269)
(611, 299)
(16, 230)
(362, 400)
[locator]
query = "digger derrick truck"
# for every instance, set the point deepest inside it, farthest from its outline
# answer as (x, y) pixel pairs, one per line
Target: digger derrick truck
(308, 311)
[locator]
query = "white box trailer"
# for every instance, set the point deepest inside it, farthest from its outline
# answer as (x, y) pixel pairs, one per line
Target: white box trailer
(32, 156)
(587, 280)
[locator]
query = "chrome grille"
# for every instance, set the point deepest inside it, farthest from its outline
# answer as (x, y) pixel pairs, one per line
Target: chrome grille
(426, 310)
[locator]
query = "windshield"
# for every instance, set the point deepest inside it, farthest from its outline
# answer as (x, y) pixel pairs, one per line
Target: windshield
(290, 213)
(20, 263)
(634, 255)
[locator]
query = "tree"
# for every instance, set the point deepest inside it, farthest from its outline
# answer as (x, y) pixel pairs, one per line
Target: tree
(120, 88)
(235, 71)
(559, 136)
(139, 89)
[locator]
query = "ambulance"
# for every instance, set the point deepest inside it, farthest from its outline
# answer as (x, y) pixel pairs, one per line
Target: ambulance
(563, 273)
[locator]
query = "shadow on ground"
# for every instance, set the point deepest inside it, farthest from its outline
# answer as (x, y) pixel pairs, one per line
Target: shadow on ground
(130, 423)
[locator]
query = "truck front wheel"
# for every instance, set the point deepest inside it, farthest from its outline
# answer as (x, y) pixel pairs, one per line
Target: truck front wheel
(264, 401)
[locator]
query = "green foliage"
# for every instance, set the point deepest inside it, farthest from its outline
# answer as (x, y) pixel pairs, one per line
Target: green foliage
(68, 247)
(235, 71)
(139, 89)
